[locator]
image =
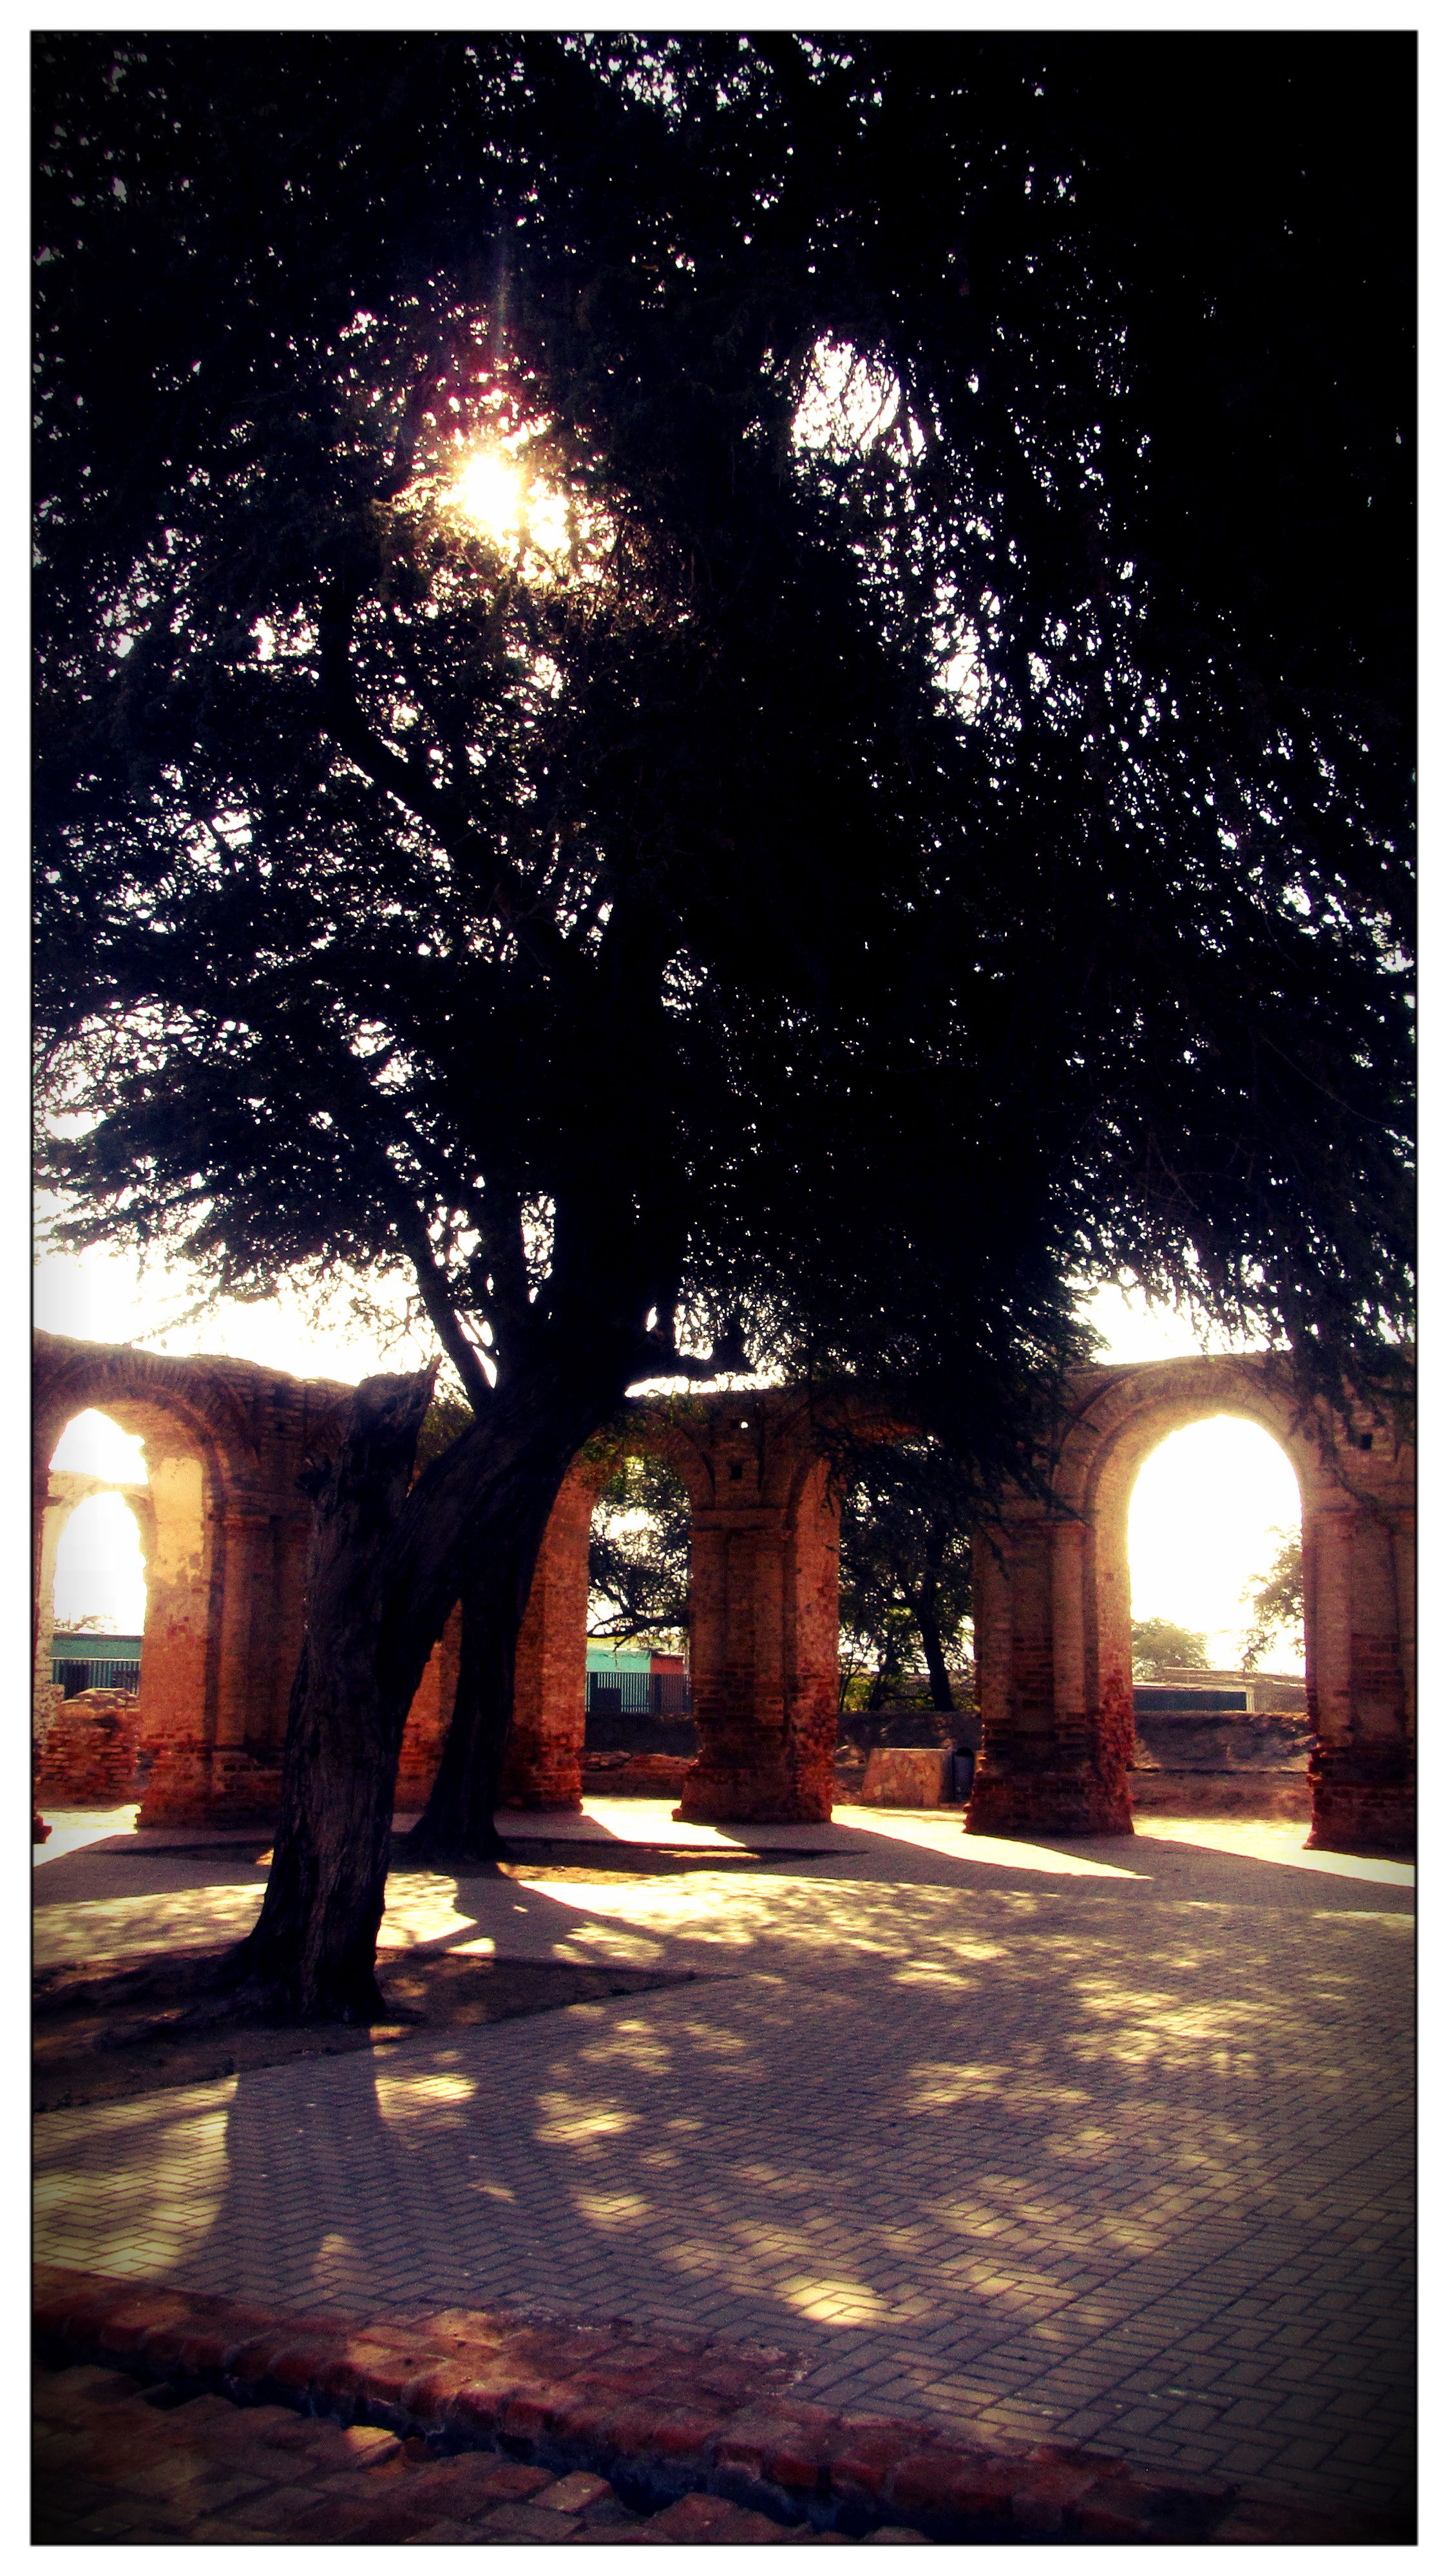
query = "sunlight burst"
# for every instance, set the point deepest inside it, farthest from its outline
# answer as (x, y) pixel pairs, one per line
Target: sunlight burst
(492, 493)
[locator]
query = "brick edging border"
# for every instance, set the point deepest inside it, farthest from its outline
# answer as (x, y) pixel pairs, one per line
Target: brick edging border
(662, 2415)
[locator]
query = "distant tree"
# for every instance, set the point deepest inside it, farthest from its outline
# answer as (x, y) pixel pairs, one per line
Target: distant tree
(1276, 1601)
(1158, 1645)
(904, 1569)
(904, 808)
(638, 1557)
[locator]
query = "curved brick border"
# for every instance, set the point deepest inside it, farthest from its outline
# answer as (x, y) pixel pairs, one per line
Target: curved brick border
(663, 2416)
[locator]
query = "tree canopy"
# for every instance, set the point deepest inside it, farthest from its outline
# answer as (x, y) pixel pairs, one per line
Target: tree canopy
(1163, 1645)
(1276, 1600)
(689, 681)
(918, 814)
(638, 1556)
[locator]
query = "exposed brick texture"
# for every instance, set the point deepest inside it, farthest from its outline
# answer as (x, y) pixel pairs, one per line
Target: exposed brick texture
(225, 1529)
(88, 1758)
(638, 2409)
(1053, 1608)
(901, 1776)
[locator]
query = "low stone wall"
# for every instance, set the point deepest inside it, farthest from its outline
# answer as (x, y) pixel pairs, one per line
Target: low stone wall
(901, 1776)
(88, 1757)
(1235, 1740)
(635, 1775)
(1221, 1793)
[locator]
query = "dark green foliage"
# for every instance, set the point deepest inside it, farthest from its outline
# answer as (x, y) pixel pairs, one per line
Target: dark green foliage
(670, 942)
(1275, 1600)
(905, 1569)
(638, 1577)
(1159, 1645)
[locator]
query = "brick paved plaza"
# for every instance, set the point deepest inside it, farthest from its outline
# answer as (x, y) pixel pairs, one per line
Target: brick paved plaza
(1108, 2142)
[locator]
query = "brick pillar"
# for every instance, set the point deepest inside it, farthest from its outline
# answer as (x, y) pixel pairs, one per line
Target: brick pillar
(53, 1518)
(736, 1664)
(244, 1760)
(543, 1766)
(812, 1643)
(1359, 1637)
(1056, 1714)
(177, 1719)
(764, 1645)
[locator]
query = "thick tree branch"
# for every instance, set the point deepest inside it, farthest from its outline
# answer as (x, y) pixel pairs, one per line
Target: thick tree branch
(506, 896)
(441, 1312)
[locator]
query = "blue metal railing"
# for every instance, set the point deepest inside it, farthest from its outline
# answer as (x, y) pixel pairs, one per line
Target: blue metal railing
(109, 1672)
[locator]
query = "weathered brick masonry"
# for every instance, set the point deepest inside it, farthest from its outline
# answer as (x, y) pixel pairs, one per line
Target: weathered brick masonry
(225, 1532)
(677, 2421)
(1053, 1608)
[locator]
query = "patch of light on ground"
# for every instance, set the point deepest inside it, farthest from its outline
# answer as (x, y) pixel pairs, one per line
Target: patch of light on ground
(946, 1833)
(1273, 1838)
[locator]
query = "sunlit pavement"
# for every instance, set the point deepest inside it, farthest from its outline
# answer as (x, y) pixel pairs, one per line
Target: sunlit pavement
(1108, 2141)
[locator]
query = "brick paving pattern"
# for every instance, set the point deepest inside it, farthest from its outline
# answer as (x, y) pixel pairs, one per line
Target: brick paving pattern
(118, 2463)
(1104, 2143)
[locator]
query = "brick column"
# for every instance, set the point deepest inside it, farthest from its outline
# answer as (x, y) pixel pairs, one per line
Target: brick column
(428, 1719)
(764, 1649)
(736, 1664)
(178, 1668)
(53, 1518)
(1361, 1769)
(543, 1766)
(812, 1644)
(1056, 1719)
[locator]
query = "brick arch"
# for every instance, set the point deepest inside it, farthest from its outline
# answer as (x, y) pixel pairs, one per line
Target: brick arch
(1053, 1637)
(764, 1610)
(226, 1558)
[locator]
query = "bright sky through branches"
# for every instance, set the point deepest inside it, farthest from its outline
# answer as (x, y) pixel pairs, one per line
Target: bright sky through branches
(493, 494)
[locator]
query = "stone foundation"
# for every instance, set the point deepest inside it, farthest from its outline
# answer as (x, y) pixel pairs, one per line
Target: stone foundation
(635, 1775)
(1362, 1804)
(1222, 1793)
(907, 1776)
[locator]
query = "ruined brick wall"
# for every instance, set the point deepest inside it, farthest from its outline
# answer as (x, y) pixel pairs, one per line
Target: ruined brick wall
(225, 1539)
(226, 1563)
(1053, 1607)
(89, 1757)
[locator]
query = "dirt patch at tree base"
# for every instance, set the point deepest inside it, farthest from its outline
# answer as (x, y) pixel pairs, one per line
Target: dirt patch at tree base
(154, 2024)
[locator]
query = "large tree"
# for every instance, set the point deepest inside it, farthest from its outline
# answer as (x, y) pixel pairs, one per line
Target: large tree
(902, 807)
(905, 1564)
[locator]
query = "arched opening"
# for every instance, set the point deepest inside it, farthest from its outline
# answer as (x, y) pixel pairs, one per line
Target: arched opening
(96, 1529)
(1212, 1508)
(1214, 1551)
(906, 1632)
(639, 1730)
(126, 1532)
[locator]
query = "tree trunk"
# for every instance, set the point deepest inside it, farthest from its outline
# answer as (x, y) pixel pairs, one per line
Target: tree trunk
(311, 1952)
(941, 1694)
(457, 1822)
(386, 1573)
(888, 1670)
(937, 1538)
(486, 1521)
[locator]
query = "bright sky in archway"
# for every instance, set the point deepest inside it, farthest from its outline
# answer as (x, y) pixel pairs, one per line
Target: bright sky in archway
(99, 1572)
